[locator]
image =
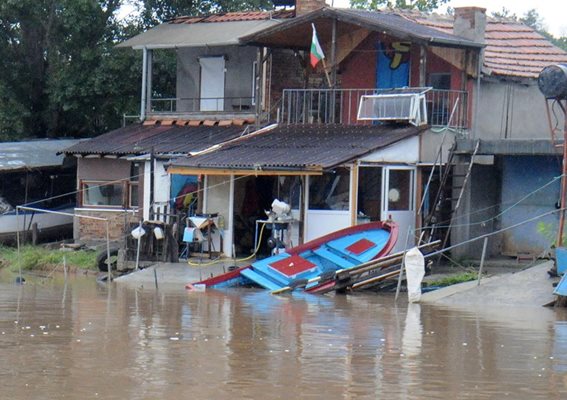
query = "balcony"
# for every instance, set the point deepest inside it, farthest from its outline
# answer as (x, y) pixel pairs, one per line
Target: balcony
(444, 108)
(201, 107)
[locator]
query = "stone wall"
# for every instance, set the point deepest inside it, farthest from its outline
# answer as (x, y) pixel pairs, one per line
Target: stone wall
(95, 231)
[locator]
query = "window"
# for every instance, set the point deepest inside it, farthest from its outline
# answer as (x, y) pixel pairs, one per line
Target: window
(400, 185)
(330, 191)
(109, 194)
(440, 81)
(133, 195)
(102, 194)
(254, 69)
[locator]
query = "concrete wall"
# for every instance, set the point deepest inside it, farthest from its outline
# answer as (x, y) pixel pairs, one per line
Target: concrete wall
(522, 175)
(238, 73)
(509, 110)
(102, 169)
(476, 215)
(499, 197)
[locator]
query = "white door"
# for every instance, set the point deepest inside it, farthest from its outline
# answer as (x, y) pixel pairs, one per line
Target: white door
(398, 202)
(212, 83)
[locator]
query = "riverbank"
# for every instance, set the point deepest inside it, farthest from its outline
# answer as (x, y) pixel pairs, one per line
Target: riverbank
(503, 281)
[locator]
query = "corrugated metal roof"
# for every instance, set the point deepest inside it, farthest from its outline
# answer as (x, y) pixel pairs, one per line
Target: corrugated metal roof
(33, 154)
(205, 31)
(140, 139)
(298, 30)
(512, 48)
(300, 147)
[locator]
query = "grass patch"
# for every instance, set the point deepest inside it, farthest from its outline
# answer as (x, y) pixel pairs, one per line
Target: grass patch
(39, 258)
(454, 279)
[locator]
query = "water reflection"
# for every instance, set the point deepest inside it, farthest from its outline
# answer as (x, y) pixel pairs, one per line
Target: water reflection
(83, 340)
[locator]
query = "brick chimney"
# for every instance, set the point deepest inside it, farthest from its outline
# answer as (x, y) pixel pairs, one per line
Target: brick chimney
(470, 23)
(306, 6)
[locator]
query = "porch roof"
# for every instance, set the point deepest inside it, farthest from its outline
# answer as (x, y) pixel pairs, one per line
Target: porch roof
(213, 30)
(294, 149)
(33, 154)
(296, 32)
(159, 138)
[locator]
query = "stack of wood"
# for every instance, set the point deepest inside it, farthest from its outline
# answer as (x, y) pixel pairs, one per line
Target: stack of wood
(365, 276)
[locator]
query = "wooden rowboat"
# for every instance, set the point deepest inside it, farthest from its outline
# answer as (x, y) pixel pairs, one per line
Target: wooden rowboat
(307, 265)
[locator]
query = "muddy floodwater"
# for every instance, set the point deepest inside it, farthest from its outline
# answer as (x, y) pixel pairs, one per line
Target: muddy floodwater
(83, 340)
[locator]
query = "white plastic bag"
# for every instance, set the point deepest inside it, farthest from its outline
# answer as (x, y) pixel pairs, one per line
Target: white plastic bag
(415, 271)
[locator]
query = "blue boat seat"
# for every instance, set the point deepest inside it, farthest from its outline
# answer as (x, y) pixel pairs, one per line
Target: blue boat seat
(328, 254)
(261, 280)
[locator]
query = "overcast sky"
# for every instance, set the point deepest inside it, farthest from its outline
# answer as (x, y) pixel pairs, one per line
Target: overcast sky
(553, 12)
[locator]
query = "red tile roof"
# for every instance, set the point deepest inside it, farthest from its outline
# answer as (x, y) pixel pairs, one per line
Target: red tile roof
(236, 16)
(512, 48)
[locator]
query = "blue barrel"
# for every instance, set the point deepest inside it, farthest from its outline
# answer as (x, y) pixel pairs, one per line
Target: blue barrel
(552, 81)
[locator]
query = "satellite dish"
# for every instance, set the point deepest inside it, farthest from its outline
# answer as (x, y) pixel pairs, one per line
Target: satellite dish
(552, 81)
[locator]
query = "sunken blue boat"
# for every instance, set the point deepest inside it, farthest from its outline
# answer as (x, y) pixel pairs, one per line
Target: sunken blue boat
(340, 250)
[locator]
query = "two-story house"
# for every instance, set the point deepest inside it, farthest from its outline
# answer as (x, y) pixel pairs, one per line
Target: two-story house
(252, 121)
(357, 141)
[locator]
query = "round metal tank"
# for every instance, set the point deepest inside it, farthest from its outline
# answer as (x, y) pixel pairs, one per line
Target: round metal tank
(552, 81)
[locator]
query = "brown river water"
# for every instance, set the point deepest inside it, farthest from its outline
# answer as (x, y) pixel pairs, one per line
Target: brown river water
(84, 340)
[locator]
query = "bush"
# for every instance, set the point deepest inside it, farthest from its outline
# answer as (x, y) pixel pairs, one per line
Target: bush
(35, 257)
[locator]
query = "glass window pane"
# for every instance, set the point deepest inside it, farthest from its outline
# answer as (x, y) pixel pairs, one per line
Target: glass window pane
(101, 194)
(399, 190)
(134, 195)
(330, 191)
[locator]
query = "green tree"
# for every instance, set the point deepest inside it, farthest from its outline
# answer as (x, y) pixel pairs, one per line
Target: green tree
(55, 66)
(60, 74)
(422, 5)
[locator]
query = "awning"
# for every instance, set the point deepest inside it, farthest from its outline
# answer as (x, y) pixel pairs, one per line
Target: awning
(293, 150)
(169, 35)
(33, 154)
(296, 32)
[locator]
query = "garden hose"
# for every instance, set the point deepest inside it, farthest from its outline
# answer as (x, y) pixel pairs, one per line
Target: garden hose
(235, 260)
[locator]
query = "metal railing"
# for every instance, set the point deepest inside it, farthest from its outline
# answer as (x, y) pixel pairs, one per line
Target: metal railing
(340, 106)
(202, 104)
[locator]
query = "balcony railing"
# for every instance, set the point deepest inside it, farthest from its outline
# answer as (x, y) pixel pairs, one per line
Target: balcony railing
(182, 105)
(340, 106)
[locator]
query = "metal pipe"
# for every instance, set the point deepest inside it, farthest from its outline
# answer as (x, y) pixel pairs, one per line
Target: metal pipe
(144, 83)
(482, 260)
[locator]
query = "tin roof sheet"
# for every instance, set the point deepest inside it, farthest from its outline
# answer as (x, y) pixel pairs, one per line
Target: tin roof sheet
(300, 147)
(33, 154)
(298, 30)
(138, 139)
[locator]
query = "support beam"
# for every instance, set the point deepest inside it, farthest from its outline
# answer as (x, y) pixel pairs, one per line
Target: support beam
(144, 84)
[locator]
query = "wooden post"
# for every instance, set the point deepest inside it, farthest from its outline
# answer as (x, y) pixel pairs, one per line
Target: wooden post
(35, 234)
(400, 277)
(108, 263)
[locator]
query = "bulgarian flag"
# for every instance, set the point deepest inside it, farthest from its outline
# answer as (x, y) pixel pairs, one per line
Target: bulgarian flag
(316, 50)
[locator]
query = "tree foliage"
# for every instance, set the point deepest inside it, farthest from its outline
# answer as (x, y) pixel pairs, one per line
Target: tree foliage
(422, 5)
(60, 73)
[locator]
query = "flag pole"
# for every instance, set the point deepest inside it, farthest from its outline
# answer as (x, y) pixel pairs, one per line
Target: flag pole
(326, 73)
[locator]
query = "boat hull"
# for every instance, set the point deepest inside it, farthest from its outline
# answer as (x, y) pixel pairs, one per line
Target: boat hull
(48, 224)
